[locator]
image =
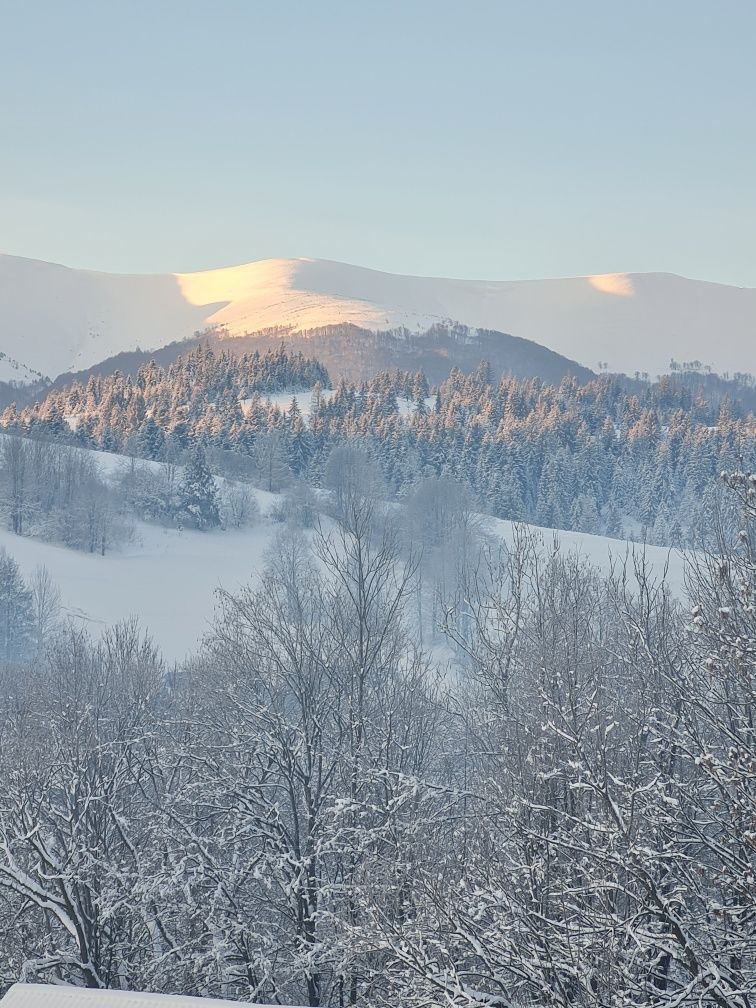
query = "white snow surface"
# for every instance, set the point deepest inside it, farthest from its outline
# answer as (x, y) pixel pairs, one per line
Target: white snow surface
(55, 319)
(605, 554)
(282, 401)
(54, 996)
(168, 578)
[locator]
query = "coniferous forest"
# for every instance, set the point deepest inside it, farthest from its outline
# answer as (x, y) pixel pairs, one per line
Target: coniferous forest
(612, 456)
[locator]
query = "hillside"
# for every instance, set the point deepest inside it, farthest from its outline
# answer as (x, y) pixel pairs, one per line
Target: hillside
(166, 572)
(348, 351)
(54, 319)
(597, 456)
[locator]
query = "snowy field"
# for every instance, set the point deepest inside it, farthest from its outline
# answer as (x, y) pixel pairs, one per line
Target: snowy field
(168, 578)
(605, 554)
(282, 400)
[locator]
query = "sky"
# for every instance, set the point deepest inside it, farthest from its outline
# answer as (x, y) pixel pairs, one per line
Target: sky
(493, 139)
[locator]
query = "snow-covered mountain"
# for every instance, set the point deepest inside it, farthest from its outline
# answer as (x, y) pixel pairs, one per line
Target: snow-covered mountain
(54, 319)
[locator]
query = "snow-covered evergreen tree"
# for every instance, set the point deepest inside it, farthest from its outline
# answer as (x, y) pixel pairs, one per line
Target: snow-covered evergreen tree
(198, 493)
(150, 440)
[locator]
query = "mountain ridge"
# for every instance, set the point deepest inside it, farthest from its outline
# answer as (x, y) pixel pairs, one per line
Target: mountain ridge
(56, 319)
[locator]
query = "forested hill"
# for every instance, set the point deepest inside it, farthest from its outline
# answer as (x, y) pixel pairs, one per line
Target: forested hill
(354, 353)
(357, 354)
(197, 393)
(596, 456)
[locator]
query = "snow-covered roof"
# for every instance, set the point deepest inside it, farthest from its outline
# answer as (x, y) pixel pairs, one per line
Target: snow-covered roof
(53, 996)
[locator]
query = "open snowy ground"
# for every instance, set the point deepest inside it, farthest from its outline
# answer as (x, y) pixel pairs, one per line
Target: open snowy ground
(283, 400)
(303, 399)
(168, 578)
(604, 553)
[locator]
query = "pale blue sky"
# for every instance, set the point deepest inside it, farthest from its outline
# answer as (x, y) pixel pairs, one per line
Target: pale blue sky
(478, 139)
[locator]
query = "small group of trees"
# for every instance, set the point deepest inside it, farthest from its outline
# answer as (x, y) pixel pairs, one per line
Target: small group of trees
(55, 491)
(186, 496)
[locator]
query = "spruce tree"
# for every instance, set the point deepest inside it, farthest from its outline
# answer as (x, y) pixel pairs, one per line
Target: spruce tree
(150, 440)
(198, 494)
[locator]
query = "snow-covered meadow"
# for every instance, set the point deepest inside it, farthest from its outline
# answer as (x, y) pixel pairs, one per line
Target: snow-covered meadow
(167, 578)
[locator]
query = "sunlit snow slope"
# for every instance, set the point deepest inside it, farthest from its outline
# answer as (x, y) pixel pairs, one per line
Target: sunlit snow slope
(54, 319)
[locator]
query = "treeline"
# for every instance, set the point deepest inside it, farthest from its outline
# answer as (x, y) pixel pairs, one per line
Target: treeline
(312, 811)
(607, 456)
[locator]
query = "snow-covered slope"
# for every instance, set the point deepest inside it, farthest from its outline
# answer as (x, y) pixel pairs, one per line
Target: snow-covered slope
(167, 579)
(54, 319)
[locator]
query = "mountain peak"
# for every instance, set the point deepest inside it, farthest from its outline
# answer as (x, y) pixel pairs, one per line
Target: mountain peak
(56, 319)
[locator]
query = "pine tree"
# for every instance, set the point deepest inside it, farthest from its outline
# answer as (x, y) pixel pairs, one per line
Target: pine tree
(150, 440)
(299, 440)
(198, 494)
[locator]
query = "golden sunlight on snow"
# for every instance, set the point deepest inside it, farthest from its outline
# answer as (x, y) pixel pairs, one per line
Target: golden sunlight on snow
(234, 283)
(261, 294)
(619, 284)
